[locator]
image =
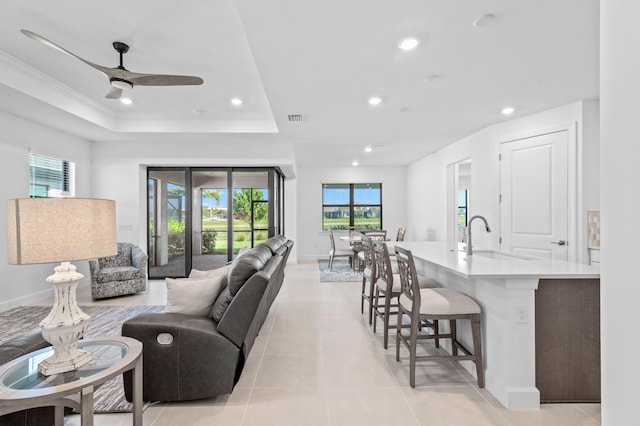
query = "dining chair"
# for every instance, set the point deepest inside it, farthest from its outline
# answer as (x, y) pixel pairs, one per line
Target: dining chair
(388, 288)
(376, 234)
(400, 234)
(333, 253)
(434, 304)
(369, 276)
(356, 240)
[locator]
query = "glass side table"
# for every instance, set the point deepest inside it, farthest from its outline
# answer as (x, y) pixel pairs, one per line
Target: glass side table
(22, 387)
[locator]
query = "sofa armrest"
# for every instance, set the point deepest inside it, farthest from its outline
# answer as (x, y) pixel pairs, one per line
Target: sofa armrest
(184, 357)
(94, 266)
(139, 258)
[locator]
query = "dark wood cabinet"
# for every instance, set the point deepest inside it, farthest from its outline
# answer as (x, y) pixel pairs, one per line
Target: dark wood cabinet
(567, 317)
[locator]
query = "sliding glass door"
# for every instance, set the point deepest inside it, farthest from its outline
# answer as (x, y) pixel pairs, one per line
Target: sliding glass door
(201, 217)
(167, 209)
(250, 209)
(210, 218)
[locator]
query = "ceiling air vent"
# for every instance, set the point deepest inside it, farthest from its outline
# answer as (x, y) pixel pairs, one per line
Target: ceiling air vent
(295, 118)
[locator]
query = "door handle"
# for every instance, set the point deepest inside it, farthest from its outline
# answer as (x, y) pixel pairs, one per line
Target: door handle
(560, 242)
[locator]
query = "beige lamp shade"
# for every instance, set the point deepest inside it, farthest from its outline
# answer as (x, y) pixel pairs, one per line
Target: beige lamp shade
(47, 230)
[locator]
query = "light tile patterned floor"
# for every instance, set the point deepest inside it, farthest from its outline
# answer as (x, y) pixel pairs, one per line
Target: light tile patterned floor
(317, 362)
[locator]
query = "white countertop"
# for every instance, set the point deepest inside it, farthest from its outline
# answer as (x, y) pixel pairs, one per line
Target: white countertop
(480, 265)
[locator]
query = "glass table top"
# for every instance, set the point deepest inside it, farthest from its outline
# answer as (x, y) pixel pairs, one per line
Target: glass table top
(24, 375)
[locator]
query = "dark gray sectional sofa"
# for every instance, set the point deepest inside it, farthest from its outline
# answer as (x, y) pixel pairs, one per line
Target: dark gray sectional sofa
(10, 350)
(187, 357)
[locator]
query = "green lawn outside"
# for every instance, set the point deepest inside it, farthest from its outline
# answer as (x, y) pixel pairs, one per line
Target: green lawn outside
(360, 223)
(238, 225)
(241, 236)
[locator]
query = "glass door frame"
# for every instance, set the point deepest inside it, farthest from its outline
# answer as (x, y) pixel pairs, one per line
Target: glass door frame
(275, 187)
(187, 209)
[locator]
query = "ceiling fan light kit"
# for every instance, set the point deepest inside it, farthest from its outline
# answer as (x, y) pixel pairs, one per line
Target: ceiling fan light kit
(120, 83)
(119, 77)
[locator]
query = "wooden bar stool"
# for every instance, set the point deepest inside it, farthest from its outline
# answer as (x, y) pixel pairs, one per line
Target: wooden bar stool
(369, 274)
(387, 290)
(421, 304)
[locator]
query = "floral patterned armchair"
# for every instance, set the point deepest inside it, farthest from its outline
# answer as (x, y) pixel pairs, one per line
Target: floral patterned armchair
(124, 273)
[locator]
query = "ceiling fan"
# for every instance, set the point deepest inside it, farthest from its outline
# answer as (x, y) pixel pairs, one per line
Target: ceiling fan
(119, 77)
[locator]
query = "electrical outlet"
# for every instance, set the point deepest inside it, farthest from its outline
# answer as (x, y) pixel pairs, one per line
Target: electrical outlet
(522, 315)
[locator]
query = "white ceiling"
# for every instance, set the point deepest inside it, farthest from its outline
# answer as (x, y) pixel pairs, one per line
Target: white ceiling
(320, 59)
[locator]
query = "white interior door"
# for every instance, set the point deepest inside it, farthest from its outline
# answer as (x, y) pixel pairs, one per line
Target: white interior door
(534, 204)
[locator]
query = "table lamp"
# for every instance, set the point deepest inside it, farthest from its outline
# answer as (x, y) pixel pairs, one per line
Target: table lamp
(48, 230)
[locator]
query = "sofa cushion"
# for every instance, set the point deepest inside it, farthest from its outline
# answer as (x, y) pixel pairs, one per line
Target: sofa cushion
(17, 346)
(221, 304)
(273, 243)
(209, 273)
(242, 268)
(119, 273)
(264, 253)
(194, 296)
(282, 250)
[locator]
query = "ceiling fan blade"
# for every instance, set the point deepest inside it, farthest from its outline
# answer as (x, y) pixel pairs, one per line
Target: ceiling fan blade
(115, 93)
(49, 43)
(120, 76)
(162, 80)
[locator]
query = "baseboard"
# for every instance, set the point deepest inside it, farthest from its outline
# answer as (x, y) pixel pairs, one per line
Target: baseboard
(37, 297)
(26, 300)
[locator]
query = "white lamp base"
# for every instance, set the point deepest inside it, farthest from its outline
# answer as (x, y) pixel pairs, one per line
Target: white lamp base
(65, 324)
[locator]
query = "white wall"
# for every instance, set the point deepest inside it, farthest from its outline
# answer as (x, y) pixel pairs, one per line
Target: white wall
(119, 173)
(312, 242)
(620, 198)
(428, 176)
(24, 284)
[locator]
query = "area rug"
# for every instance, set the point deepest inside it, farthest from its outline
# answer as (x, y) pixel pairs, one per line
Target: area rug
(341, 271)
(105, 321)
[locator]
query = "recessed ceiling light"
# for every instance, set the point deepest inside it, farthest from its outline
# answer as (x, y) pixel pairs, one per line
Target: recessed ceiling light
(236, 101)
(354, 163)
(375, 100)
(408, 44)
(484, 20)
(368, 148)
(126, 101)
(508, 110)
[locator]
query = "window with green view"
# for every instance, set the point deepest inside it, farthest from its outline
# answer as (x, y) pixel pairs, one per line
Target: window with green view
(346, 205)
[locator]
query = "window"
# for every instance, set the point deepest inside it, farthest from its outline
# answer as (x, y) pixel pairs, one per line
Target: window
(49, 177)
(346, 205)
(463, 207)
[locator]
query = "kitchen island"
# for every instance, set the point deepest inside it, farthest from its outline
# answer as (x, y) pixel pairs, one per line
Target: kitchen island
(505, 286)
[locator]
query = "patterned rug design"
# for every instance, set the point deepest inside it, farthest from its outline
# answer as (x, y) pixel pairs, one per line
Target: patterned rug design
(105, 321)
(341, 272)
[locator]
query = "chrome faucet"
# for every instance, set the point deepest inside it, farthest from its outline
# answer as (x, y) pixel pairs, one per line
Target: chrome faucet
(486, 225)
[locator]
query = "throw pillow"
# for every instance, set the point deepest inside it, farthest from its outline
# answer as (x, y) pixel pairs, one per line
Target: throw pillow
(210, 273)
(194, 296)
